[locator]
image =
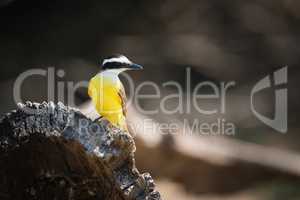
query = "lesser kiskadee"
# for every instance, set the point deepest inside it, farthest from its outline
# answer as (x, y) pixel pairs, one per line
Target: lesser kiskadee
(107, 91)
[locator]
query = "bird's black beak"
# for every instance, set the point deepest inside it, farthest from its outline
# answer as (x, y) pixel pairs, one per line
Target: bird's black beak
(134, 66)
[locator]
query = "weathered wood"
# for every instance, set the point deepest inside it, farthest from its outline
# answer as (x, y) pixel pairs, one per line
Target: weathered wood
(50, 151)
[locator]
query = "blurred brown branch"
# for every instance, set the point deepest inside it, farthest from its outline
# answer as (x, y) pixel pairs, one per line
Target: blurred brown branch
(210, 164)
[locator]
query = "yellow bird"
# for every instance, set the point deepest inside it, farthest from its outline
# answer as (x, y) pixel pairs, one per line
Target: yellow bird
(107, 91)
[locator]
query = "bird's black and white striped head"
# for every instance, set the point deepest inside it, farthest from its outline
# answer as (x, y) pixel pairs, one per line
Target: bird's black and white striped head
(119, 62)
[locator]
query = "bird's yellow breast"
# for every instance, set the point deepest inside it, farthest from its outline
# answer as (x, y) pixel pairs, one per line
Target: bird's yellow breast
(104, 92)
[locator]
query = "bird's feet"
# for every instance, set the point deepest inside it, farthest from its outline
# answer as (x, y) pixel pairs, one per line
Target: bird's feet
(98, 119)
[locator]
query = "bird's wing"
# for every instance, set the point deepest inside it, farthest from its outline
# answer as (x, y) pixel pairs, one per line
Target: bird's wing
(123, 99)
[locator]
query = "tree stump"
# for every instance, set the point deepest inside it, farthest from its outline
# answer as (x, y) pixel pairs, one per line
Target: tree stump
(50, 151)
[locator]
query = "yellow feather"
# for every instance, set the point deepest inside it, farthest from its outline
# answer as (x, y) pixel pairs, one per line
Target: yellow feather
(104, 92)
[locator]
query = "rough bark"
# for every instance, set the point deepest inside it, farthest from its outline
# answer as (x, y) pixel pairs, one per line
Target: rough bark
(50, 151)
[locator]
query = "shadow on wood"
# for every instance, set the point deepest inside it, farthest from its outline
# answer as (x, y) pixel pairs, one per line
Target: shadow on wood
(49, 151)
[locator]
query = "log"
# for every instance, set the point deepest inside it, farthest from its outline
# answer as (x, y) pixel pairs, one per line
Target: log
(211, 165)
(50, 151)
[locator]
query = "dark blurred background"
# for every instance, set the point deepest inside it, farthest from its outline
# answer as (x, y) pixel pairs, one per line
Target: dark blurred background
(241, 41)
